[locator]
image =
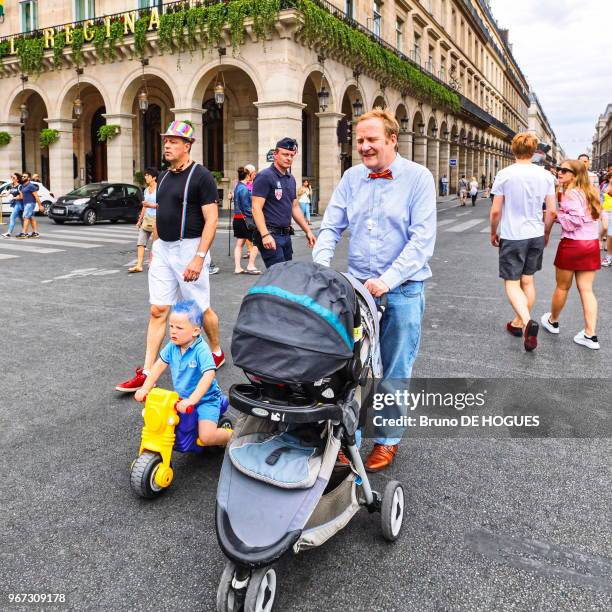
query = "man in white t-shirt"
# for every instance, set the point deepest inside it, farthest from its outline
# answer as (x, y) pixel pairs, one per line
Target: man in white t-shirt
(519, 191)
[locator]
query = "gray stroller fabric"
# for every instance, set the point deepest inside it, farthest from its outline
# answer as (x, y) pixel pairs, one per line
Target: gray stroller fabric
(295, 324)
(278, 459)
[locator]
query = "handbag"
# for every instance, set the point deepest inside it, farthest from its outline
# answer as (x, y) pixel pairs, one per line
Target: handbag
(148, 223)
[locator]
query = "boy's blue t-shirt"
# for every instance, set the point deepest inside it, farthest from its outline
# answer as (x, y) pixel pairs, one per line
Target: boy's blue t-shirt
(187, 369)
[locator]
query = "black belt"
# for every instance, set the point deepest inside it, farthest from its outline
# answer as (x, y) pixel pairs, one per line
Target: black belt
(283, 231)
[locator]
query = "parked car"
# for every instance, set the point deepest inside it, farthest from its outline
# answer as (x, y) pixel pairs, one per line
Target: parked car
(99, 202)
(46, 197)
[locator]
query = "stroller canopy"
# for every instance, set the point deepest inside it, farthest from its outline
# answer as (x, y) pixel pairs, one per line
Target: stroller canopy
(296, 324)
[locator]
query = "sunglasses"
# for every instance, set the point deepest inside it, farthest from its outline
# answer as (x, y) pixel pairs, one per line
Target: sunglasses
(564, 170)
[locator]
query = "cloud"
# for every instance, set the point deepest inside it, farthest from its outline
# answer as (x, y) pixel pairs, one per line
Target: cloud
(561, 47)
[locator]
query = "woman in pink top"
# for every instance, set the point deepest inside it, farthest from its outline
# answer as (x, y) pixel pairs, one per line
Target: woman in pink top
(578, 251)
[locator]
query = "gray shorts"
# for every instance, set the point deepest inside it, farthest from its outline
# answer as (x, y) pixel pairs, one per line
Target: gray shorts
(520, 257)
(143, 237)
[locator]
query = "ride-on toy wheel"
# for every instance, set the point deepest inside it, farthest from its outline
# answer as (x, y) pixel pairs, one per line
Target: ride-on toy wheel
(226, 423)
(143, 474)
(392, 510)
(261, 591)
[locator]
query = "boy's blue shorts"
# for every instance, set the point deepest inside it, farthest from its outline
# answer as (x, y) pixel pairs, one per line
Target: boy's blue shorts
(209, 411)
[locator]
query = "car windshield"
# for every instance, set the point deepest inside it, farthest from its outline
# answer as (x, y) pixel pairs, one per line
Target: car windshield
(86, 190)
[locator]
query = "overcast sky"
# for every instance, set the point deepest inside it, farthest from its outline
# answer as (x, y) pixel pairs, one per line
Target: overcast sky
(564, 49)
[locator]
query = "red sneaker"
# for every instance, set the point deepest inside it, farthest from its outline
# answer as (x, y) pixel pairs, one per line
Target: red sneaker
(133, 384)
(219, 359)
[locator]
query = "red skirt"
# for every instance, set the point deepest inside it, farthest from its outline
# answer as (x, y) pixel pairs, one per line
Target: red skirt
(581, 255)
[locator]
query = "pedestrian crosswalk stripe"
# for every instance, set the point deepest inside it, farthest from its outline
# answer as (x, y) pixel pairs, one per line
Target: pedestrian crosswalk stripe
(81, 236)
(485, 230)
(3, 256)
(445, 222)
(130, 229)
(29, 248)
(463, 226)
(78, 245)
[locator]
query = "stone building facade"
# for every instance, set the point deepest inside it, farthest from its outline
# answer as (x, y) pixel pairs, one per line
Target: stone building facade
(282, 73)
(552, 152)
(602, 141)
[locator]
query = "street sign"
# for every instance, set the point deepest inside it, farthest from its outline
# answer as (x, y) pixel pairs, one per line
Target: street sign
(270, 156)
(452, 162)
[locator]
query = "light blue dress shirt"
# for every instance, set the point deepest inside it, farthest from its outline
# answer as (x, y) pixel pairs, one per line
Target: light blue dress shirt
(392, 223)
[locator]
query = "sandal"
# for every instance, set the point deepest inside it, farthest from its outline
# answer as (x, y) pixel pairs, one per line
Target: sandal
(241, 272)
(252, 272)
(135, 269)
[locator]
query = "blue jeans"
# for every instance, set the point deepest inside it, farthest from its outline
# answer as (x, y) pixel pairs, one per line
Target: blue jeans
(305, 206)
(282, 252)
(400, 336)
(16, 215)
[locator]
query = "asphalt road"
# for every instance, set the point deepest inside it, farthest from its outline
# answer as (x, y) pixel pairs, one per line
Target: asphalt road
(491, 524)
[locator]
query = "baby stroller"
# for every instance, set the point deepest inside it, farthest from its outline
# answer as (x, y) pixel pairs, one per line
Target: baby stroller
(307, 339)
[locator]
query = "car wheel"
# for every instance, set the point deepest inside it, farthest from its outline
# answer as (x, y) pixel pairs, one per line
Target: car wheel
(114, 220)
(59, 221)
(90, 217)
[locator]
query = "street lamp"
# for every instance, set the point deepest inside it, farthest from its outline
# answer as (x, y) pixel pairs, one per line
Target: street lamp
(357, 108)
(219, 94)
(23, 109)
(421, 127)
(323, 96)
(77, 105)
(434, 131)
(143, 97)
(404, 125)
(446, 134)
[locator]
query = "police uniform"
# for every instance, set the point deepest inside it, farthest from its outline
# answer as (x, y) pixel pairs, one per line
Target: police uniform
(279, 192)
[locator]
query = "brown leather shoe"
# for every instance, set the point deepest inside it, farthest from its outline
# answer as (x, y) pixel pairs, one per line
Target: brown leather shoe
(381, 457)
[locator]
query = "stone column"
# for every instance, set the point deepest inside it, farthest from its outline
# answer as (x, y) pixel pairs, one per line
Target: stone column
(469, 163)
(453, 178)
(276, 120)
(355, 159)
(444, 157)
(404, 144)
(329, 157)
(433, 160)
(420, 150)
(120, 150)
(10, 154)
(195, 116)
(462, 162)
(60, 157)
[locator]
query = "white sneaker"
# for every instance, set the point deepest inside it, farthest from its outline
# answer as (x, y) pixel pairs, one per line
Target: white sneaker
(591, 343)
(6, 235)
(606, 262)
(553, 328)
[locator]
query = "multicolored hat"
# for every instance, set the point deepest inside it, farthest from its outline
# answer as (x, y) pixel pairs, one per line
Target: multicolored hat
(180, 129)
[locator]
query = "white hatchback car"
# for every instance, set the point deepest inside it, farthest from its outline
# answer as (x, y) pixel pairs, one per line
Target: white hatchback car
(46, 197)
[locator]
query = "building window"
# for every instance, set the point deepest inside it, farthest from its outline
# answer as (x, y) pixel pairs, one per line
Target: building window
(399, 34)
(377, 17)
(430, 60)
(144, 4)
(443, 68)
(348, 8)
(29, 15)
(416, 49)
(84, 9)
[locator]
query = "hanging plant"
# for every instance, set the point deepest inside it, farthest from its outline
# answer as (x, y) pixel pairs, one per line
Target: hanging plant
(30, 52)
(99, 41)
(5, 138)
(59, 42)
(78, 37)
(108, 132)
(116, 35)
(140, 35)
(236, 14)
(5, 47)
(164, 32)
(48, 137)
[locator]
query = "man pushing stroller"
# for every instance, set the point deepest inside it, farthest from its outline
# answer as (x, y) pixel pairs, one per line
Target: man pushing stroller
(391, 204)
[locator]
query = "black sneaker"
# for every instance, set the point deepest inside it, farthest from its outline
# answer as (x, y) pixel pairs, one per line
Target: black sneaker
(34, 235)
(6, 235)
(21, 236)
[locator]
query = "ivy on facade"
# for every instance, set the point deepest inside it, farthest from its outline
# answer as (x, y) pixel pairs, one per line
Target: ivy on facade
(189, 28)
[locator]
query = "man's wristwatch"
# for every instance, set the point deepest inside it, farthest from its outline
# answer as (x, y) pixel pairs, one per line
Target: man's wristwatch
(201, 254)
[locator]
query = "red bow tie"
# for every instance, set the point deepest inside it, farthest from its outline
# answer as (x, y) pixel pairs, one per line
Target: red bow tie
(385, 174)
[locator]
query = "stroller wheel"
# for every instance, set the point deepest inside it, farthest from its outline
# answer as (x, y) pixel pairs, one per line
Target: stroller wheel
(229, 599)
(392, 510)
(261, 591)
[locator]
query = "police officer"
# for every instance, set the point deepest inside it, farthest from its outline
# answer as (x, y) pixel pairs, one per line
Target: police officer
(275, 203)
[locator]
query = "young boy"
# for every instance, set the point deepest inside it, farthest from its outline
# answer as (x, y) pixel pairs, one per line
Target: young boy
(193, 372)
